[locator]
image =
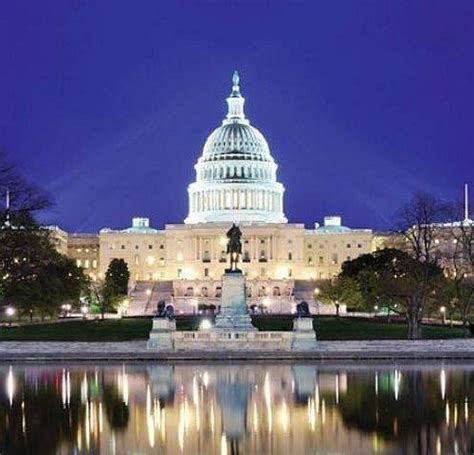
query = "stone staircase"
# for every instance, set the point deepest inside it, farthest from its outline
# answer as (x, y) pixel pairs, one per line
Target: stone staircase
(146, 294)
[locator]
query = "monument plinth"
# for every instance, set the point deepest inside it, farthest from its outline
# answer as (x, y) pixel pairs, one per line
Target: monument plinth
(233, 312)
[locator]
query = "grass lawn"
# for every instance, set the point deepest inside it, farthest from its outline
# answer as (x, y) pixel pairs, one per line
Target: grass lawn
(138, 328)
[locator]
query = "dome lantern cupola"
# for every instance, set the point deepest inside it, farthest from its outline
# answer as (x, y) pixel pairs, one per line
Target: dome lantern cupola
(236, 174)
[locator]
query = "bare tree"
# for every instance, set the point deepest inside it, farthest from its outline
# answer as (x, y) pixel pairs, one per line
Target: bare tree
(420, 221)
(24, 197)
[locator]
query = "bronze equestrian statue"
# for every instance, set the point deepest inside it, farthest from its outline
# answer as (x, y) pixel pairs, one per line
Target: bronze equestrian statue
(234, 247)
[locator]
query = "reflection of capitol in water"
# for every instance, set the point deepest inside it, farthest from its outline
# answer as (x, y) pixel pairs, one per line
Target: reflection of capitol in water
(235, 409)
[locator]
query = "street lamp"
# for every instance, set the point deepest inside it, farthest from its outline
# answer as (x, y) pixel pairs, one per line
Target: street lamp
(442, 310)
(84, 311)
(10, 311)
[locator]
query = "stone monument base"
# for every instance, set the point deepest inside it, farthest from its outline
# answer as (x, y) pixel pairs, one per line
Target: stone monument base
(304, 336)
(162, 334)
(233, 314)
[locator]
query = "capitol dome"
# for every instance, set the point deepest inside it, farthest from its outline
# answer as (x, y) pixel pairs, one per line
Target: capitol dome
(236, 174)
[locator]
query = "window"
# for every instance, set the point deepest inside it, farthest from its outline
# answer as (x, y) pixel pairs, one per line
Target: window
(348, 245)
(86, 264)
(262, 292)
(179, 273)
(204, 292)
(150, 247)
(218, 292)
(206, 256)
(94, 263)
(310, 246)
(290, 256)
(359, 245)
(310, 260)
(206, 273)
(79, 263)
(321, 259)
(189, 292)
(136, 247)
(290, 241)
(162, 247)
(276, 291)
(122, 247)
(137, 259)
(290, 273)
(262, 241)
(79, 250)
(348, 258)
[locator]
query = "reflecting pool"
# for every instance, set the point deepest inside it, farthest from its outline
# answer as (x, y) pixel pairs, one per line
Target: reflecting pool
(236, 408)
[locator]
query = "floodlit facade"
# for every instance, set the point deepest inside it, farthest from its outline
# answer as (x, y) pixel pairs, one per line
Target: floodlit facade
(236, 182)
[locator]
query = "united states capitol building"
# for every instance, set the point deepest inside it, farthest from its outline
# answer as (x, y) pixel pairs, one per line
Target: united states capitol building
(236, 182)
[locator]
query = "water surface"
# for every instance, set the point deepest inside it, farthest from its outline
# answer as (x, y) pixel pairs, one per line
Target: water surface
(236, 408)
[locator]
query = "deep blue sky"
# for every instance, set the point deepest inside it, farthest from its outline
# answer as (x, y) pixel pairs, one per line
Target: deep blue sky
(107, 104)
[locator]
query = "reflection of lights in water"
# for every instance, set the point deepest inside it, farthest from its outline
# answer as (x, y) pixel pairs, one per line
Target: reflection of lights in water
(455, 415)
(396, 383)
(316, 397)
(101, 418)
(224, 450)
(23, 419)
(124, 386)
(466, 409)
(447, 413)
(10, 386)
(442, 383)
(150, 420)
(163, 424)
(255, 417)
(376, 383)
(311, 414)
(213, 417)
(438, 445)
(84, 389)
(323, 411)
(66, 388)
(87, 426)
(268, 401)
(337, 388)
(181, 426)
(284, 416)
(205, 379)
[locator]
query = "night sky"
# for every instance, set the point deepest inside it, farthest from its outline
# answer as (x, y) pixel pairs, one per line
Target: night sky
(107, 104)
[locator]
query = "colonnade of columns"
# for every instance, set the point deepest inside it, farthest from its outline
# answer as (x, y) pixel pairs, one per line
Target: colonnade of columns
(236, 199)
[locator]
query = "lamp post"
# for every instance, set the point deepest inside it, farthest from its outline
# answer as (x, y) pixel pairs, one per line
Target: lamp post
(10, 311)
(442, 310)
(84, 311)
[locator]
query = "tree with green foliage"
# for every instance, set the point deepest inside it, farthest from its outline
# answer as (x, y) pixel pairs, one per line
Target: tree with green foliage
(397, 279)
(339, 291)
(115, 286)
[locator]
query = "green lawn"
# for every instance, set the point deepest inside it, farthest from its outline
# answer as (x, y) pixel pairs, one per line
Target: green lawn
(138, 328)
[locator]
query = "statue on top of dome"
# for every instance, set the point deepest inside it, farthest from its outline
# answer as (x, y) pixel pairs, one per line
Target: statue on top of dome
(235, 84)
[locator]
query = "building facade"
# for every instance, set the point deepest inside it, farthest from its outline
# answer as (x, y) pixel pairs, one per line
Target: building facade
(236, 182)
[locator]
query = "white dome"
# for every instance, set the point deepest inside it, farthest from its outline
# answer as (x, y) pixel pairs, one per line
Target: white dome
(236, 174)
(236, 140)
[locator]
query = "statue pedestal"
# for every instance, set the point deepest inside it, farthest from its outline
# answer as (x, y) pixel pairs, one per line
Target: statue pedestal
(233, 313)
(304, 336)
(162, 334)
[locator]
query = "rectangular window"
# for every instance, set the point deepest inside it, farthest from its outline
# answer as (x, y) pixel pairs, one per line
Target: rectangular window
(290, 256)
(179, 272)
(359, 245)
(321, 259)
(348, 245)
(94, 263)
(123, 247)
(86, 264)
(150, 247)
(206, 272)
(79, 263)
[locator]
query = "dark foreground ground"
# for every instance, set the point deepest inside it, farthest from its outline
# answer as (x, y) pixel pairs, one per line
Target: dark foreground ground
(327, 328)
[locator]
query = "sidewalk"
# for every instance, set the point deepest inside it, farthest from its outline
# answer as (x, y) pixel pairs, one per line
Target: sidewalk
(327, 350)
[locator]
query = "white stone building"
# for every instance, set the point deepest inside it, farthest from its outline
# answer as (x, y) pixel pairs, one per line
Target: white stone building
(236, 182)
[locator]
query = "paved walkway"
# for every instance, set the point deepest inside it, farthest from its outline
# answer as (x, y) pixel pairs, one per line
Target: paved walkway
(327, 350)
